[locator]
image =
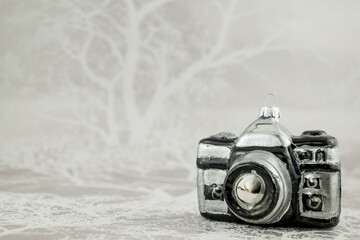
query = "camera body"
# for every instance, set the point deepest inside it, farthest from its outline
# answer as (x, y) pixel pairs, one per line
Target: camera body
(268, 176)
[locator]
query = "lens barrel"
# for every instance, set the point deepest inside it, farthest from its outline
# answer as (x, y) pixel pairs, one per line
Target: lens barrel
(257, 188)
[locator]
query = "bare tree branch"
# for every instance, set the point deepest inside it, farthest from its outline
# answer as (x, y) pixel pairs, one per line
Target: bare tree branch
(98, 80)
(224, 29)
(82, 124)
(150, 7)
(113, 46)
(120, 29)
(132, 43)
(235, 57)
(131, 110)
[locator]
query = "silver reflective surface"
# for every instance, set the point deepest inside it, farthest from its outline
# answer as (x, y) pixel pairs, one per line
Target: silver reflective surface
(266, 132)
(327, 187)
(250, 188)
(208, 177)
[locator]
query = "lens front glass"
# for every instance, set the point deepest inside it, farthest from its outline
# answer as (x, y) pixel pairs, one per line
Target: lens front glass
(249, 189)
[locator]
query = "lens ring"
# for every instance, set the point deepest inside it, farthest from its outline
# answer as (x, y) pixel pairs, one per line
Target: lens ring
(267, 202)
(278, 192)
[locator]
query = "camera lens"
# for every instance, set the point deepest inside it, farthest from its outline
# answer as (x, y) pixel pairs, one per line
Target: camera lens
(250, 189)
(257, 188)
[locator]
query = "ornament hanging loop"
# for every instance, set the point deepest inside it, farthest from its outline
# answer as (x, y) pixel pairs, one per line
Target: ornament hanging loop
(267, 100)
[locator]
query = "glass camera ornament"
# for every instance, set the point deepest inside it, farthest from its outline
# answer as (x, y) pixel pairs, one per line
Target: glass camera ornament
(268, 176)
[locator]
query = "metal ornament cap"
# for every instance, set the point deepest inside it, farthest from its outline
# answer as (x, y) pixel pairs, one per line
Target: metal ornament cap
(269, 112)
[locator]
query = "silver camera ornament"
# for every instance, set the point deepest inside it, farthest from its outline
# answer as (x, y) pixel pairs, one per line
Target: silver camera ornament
(268, 176)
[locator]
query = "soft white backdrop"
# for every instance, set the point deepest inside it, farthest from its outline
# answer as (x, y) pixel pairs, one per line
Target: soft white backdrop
(102, 104)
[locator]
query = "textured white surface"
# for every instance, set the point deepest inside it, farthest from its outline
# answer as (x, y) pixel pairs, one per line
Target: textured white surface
(102, 105)
(39, 208)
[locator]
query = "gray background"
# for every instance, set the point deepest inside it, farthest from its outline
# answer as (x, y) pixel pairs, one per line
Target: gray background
(102, 104)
